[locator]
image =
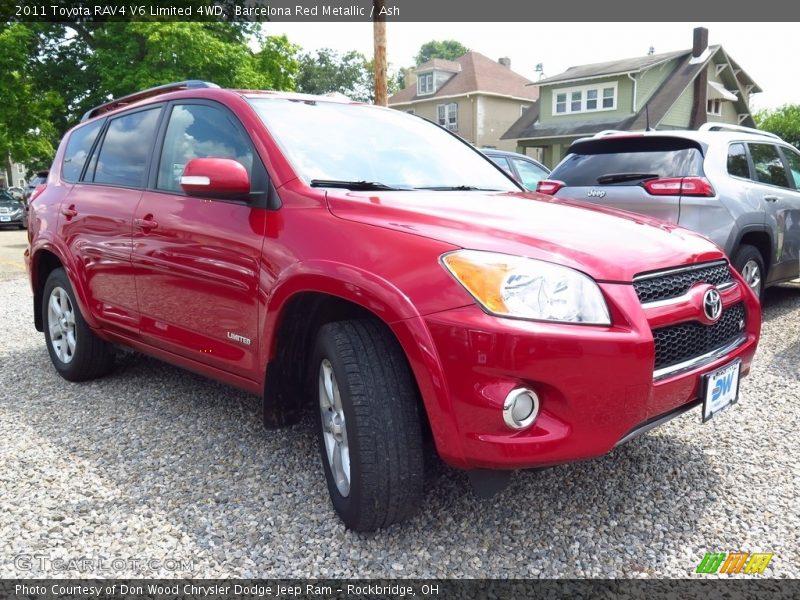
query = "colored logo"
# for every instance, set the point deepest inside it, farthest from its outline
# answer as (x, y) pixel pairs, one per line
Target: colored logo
(712, 304)
(723, 386)
(734, 562)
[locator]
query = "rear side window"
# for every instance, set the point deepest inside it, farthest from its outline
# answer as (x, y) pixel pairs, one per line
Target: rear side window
(78, 148)
(629, 161)
(501, 162)
(529, 172)
(126, 148)
(768, 165)
(737, 161)
(793, 158)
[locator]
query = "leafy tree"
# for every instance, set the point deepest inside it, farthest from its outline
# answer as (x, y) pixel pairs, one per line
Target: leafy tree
(61, 70)
(783, 121)
(447, 49)
(324, 71)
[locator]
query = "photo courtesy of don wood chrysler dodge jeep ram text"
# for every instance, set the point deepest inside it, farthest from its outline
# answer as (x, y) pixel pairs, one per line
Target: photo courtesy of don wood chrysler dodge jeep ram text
(370, 266)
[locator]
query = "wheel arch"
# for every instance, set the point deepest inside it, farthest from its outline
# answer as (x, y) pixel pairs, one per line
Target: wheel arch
(300, 307)
(760, 237)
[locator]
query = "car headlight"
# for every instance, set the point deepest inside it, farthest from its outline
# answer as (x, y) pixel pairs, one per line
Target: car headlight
(525, 288)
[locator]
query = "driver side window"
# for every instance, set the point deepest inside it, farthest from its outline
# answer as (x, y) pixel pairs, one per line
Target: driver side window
(200, 131)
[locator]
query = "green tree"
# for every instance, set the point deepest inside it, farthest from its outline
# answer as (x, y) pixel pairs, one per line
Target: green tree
(783, 121)
(447, 49)
(325, 71)
(61, 70)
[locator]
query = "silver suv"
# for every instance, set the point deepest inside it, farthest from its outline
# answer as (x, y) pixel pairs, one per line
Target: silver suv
(738, 186)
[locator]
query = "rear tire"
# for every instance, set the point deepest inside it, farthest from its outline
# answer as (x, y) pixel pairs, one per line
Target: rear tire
(76, 352)
(750, 264)
(368, 427)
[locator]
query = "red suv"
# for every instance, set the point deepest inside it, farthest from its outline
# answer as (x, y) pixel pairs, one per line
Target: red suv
(372, 265)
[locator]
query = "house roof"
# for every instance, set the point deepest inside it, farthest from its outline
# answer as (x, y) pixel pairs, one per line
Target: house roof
(478, 73)
(650, 114)
(614, 67)
(439, 64)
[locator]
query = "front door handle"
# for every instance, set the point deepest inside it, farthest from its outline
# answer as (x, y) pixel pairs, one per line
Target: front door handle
(147, 223)
(771, 198)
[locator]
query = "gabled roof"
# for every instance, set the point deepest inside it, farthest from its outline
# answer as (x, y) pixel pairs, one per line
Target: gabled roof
(650, 114)
(614, 67)
(478, 73)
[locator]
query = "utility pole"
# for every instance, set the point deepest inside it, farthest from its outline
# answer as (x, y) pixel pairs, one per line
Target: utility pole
(379, 61)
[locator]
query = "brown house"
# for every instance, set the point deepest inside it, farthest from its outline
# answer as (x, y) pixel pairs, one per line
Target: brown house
(473, 96)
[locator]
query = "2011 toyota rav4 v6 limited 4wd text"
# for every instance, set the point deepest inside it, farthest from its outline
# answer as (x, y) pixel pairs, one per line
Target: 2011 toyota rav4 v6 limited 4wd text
(374, 266)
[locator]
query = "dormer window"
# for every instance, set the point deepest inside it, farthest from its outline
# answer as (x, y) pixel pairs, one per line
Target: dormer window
(587, 98)
(425, 83)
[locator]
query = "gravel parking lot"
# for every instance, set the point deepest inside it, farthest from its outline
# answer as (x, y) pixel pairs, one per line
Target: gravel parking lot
(157, 465)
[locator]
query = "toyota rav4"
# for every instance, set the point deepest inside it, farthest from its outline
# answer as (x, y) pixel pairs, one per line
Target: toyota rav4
(372, 267)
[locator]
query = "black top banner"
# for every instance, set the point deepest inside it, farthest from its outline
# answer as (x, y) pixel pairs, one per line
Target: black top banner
(399, 11)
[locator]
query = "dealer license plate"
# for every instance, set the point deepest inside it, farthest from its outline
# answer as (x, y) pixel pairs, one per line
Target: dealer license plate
(5, 219)
(720, 389)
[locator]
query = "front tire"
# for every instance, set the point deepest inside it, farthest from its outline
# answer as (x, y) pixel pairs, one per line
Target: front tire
(750, 264)
(369, 427)
(76, 352)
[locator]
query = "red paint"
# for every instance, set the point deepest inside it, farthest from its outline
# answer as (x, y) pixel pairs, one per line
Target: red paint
(172, 274)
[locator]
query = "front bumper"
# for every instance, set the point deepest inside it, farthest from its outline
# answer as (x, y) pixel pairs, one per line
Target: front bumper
(596, 384)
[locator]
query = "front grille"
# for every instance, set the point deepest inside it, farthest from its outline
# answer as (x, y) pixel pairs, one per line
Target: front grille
(4, 211)
(678, 343)
(651, 288)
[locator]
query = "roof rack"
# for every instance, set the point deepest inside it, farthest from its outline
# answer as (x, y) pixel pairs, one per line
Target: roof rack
(727, 127)
(148, 93)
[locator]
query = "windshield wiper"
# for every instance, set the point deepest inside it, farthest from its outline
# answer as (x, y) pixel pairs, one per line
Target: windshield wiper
(456, 188)
(618, 177)
(351, 185)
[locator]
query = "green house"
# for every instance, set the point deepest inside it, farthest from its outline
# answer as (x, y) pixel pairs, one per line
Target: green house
(673, 90)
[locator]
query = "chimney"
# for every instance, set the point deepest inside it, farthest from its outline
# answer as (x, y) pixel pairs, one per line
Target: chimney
(505, 61)
(700, 41)
(410, 77)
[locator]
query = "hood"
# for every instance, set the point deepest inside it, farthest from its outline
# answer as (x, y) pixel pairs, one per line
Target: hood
(607, 244)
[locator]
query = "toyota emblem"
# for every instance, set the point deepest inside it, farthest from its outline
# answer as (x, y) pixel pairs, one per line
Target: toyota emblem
(712, 305)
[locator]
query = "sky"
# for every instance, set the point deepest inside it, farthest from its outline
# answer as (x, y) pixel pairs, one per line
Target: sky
(766, 51)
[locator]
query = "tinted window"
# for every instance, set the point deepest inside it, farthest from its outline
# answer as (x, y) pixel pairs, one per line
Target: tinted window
(123, 157)
(737, 161)
(529, 173)
(200, 131)
(793, 158)
(653, 157)
(78, 148)
(768, 165)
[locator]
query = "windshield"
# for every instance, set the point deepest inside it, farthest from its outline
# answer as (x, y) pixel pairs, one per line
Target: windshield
(329, 142)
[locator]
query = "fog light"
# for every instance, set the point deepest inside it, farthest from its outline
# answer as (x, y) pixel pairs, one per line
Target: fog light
(520, 408)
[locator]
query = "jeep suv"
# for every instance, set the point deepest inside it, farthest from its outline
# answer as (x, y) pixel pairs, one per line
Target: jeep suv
(369, 266)
(738, 186)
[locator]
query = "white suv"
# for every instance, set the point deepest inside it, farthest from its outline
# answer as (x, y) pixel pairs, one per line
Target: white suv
(738, 186)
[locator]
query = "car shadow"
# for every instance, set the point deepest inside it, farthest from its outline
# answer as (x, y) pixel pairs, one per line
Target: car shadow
(181, 450)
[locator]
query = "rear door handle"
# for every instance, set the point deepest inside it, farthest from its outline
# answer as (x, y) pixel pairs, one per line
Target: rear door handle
(147, 223)
(69, 212)
(771, 198)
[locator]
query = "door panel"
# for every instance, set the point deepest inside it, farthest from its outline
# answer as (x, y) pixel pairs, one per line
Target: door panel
(97, 214)
(197, 259)
(781, 203)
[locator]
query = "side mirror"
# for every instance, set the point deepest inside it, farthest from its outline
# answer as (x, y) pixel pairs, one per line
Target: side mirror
(216, 178)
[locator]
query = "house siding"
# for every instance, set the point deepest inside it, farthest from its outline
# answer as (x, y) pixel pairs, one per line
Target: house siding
(494, 115)
(680, 114)
(651, 79)
(429, 110)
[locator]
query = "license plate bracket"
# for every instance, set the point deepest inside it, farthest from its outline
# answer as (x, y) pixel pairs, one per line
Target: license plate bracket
(721, 389)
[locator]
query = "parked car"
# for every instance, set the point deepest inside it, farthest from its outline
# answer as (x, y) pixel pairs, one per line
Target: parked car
(38, 179)
(367, 265)
(738, 186)
(523, 168)
(11, 211)
(16, 192)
